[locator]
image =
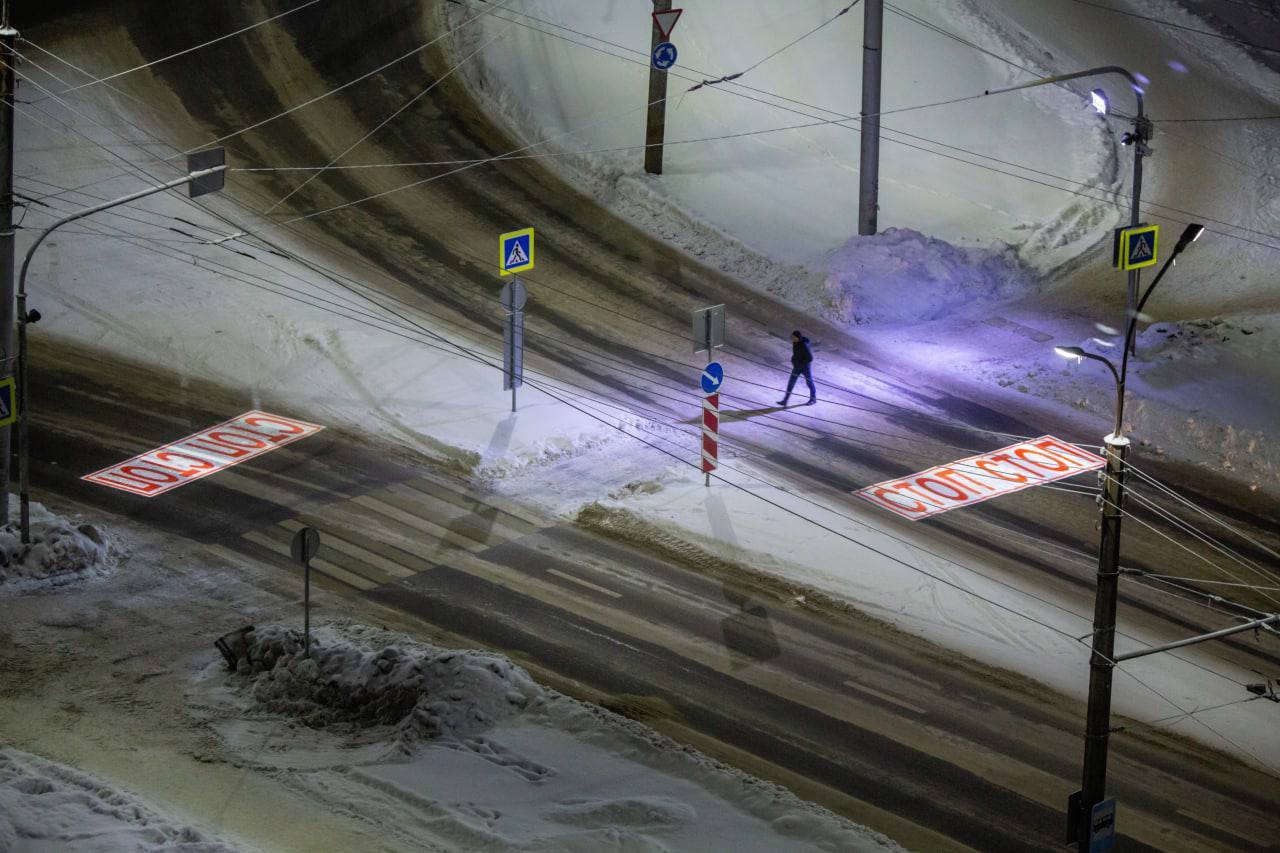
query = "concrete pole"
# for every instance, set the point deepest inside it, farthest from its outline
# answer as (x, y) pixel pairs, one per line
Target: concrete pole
(869, 164)
(8, 36)
(655, 130)
(1093, 789)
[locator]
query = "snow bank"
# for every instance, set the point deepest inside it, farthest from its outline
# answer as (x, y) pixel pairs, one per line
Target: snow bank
(901, 274)
(462, 750)
(422, 694)
(49, 806)
(60, 552)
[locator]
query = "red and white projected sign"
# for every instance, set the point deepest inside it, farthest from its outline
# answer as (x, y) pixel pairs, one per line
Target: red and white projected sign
(207, 452)
(979, 478)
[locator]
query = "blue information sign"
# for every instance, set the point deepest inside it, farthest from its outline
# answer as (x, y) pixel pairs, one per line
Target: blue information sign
(664, 56)
(515, 251)
(8, 402)
(712, 377)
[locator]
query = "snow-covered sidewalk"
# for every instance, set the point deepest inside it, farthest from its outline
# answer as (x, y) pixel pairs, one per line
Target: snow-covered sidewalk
(379, 738)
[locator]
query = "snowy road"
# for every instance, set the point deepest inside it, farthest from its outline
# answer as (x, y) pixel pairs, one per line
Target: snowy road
(878, 725)
(897, 734)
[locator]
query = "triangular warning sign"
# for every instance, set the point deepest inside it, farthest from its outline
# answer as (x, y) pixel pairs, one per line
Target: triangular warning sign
(517, 255)
(1141, 250)
(666, 22)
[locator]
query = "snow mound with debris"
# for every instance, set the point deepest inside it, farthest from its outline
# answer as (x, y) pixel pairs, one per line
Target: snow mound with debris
(49, 806)
(504, 764)
(60, 552)
(902, 275)
(423, 694)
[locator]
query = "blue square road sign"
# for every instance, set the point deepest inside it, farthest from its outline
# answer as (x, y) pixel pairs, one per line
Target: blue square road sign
(515, 251)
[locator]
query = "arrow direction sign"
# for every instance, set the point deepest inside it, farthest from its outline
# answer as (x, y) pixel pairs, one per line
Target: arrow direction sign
(666, 22)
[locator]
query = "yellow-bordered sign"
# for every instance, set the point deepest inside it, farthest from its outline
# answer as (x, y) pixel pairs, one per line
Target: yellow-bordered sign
(515, 251)
(1136, 247)
(8, 401)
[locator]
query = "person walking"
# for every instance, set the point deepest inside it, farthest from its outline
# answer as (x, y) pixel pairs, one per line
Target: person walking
(801, 361)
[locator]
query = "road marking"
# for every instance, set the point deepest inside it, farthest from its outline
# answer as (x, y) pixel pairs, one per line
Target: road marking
(862, 688)
(1230, 830)
(587, 584)
(336, 572)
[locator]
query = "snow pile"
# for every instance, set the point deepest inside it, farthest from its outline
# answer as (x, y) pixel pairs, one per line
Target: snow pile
(60, 552)
(48, 806)
(1174, 341)
(902, 275)
(424, 694)
(462, 750)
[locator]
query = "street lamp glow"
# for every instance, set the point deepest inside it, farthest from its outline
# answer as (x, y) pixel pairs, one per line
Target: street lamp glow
(1098, 99)
(1069, 352)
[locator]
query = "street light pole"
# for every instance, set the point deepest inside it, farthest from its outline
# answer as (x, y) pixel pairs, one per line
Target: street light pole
(196, 178)
(8, 35)
(1142, 130)
(1102, 660)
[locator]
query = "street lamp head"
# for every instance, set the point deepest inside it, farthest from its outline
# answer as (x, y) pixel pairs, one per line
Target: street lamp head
(1189, 235)
(1069, 352)
(1098, 100)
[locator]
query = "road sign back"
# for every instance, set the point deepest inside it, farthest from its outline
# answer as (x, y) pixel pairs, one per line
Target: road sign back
(665, 22)
(515, 251)
(513, 295)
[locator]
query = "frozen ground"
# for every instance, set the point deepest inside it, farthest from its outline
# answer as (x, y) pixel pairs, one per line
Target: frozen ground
(403, 744)
(49, 806)
(251, 334)
(1016, 194)
(463, 750)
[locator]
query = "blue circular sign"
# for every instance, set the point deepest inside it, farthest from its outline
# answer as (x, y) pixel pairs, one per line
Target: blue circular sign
(712, 377)
(664, 56)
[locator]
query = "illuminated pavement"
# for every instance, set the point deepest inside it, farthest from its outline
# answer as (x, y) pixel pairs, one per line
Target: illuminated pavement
(871, 723)
(935, 752)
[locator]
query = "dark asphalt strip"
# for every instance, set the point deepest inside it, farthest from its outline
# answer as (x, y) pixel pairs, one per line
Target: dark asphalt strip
(877, 770)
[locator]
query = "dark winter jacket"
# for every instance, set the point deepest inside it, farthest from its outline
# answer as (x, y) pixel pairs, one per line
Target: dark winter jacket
(801, 355)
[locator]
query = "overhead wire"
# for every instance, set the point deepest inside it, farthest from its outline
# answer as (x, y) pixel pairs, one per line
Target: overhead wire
(802, 516)
(194, 48)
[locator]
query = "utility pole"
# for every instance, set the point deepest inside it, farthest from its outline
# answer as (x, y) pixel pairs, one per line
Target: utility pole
(869, 164)
(656, 125)
(8, 37)
(1102, 661)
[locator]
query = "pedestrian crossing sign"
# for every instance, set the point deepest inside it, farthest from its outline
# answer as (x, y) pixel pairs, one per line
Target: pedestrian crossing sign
(515, 251)
(8, 402)
(1136, 247)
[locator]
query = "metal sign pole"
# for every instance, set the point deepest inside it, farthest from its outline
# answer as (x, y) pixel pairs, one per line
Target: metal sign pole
(306, 542)
(306, 606)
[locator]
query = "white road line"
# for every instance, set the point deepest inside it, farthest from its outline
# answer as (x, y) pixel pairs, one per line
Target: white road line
(587, 584)
(862, 688)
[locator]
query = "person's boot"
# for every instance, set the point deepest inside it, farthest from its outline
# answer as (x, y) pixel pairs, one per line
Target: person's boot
(812, 400)
(782, 402)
